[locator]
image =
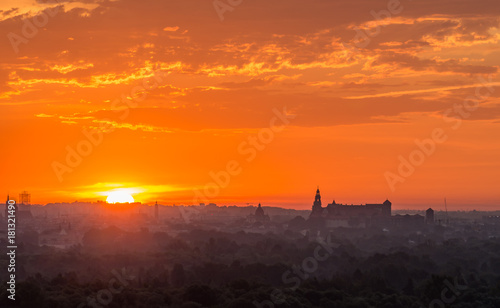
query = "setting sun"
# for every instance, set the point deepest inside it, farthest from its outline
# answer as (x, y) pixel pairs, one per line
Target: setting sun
(119, 197)
(162, 104)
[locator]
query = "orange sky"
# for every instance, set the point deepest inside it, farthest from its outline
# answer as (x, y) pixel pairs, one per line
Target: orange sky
(354, 92)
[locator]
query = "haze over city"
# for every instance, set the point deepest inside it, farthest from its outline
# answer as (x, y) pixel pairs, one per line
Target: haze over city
(249, 154)
(179, 89)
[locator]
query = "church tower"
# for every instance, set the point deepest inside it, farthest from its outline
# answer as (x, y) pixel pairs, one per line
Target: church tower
(317, 210)
(317, 199)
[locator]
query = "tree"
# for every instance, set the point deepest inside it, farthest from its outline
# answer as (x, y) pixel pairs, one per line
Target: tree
(178, 275)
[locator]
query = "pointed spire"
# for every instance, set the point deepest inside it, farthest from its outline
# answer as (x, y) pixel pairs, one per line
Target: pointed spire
(317, 198)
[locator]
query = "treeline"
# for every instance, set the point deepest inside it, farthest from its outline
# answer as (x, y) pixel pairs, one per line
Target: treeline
(215, 269)
(357, 290)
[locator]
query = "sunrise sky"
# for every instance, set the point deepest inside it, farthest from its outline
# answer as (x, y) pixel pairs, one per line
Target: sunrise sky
(360, 82)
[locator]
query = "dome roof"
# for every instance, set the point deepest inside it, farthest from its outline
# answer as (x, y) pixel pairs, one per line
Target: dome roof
(259, 211)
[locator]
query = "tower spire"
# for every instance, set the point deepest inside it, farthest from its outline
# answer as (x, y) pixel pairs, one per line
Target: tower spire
(316, 208)
(317, 198)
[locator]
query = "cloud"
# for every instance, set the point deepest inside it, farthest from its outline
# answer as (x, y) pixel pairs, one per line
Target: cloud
(171, 29)
(96, 51)
(419, 91)
(418, 64)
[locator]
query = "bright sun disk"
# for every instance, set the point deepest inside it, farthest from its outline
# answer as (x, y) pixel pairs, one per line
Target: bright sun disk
(119, 197)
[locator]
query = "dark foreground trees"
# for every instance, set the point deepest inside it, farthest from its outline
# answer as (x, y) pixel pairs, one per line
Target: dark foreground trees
(213, 269)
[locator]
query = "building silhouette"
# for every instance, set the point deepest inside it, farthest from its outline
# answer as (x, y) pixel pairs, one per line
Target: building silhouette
(429, 216)
(344, 215)
(317, 209)
(24, 198)
(259, 216)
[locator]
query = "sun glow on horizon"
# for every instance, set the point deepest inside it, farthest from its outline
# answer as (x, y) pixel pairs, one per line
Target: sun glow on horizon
(120, 196)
